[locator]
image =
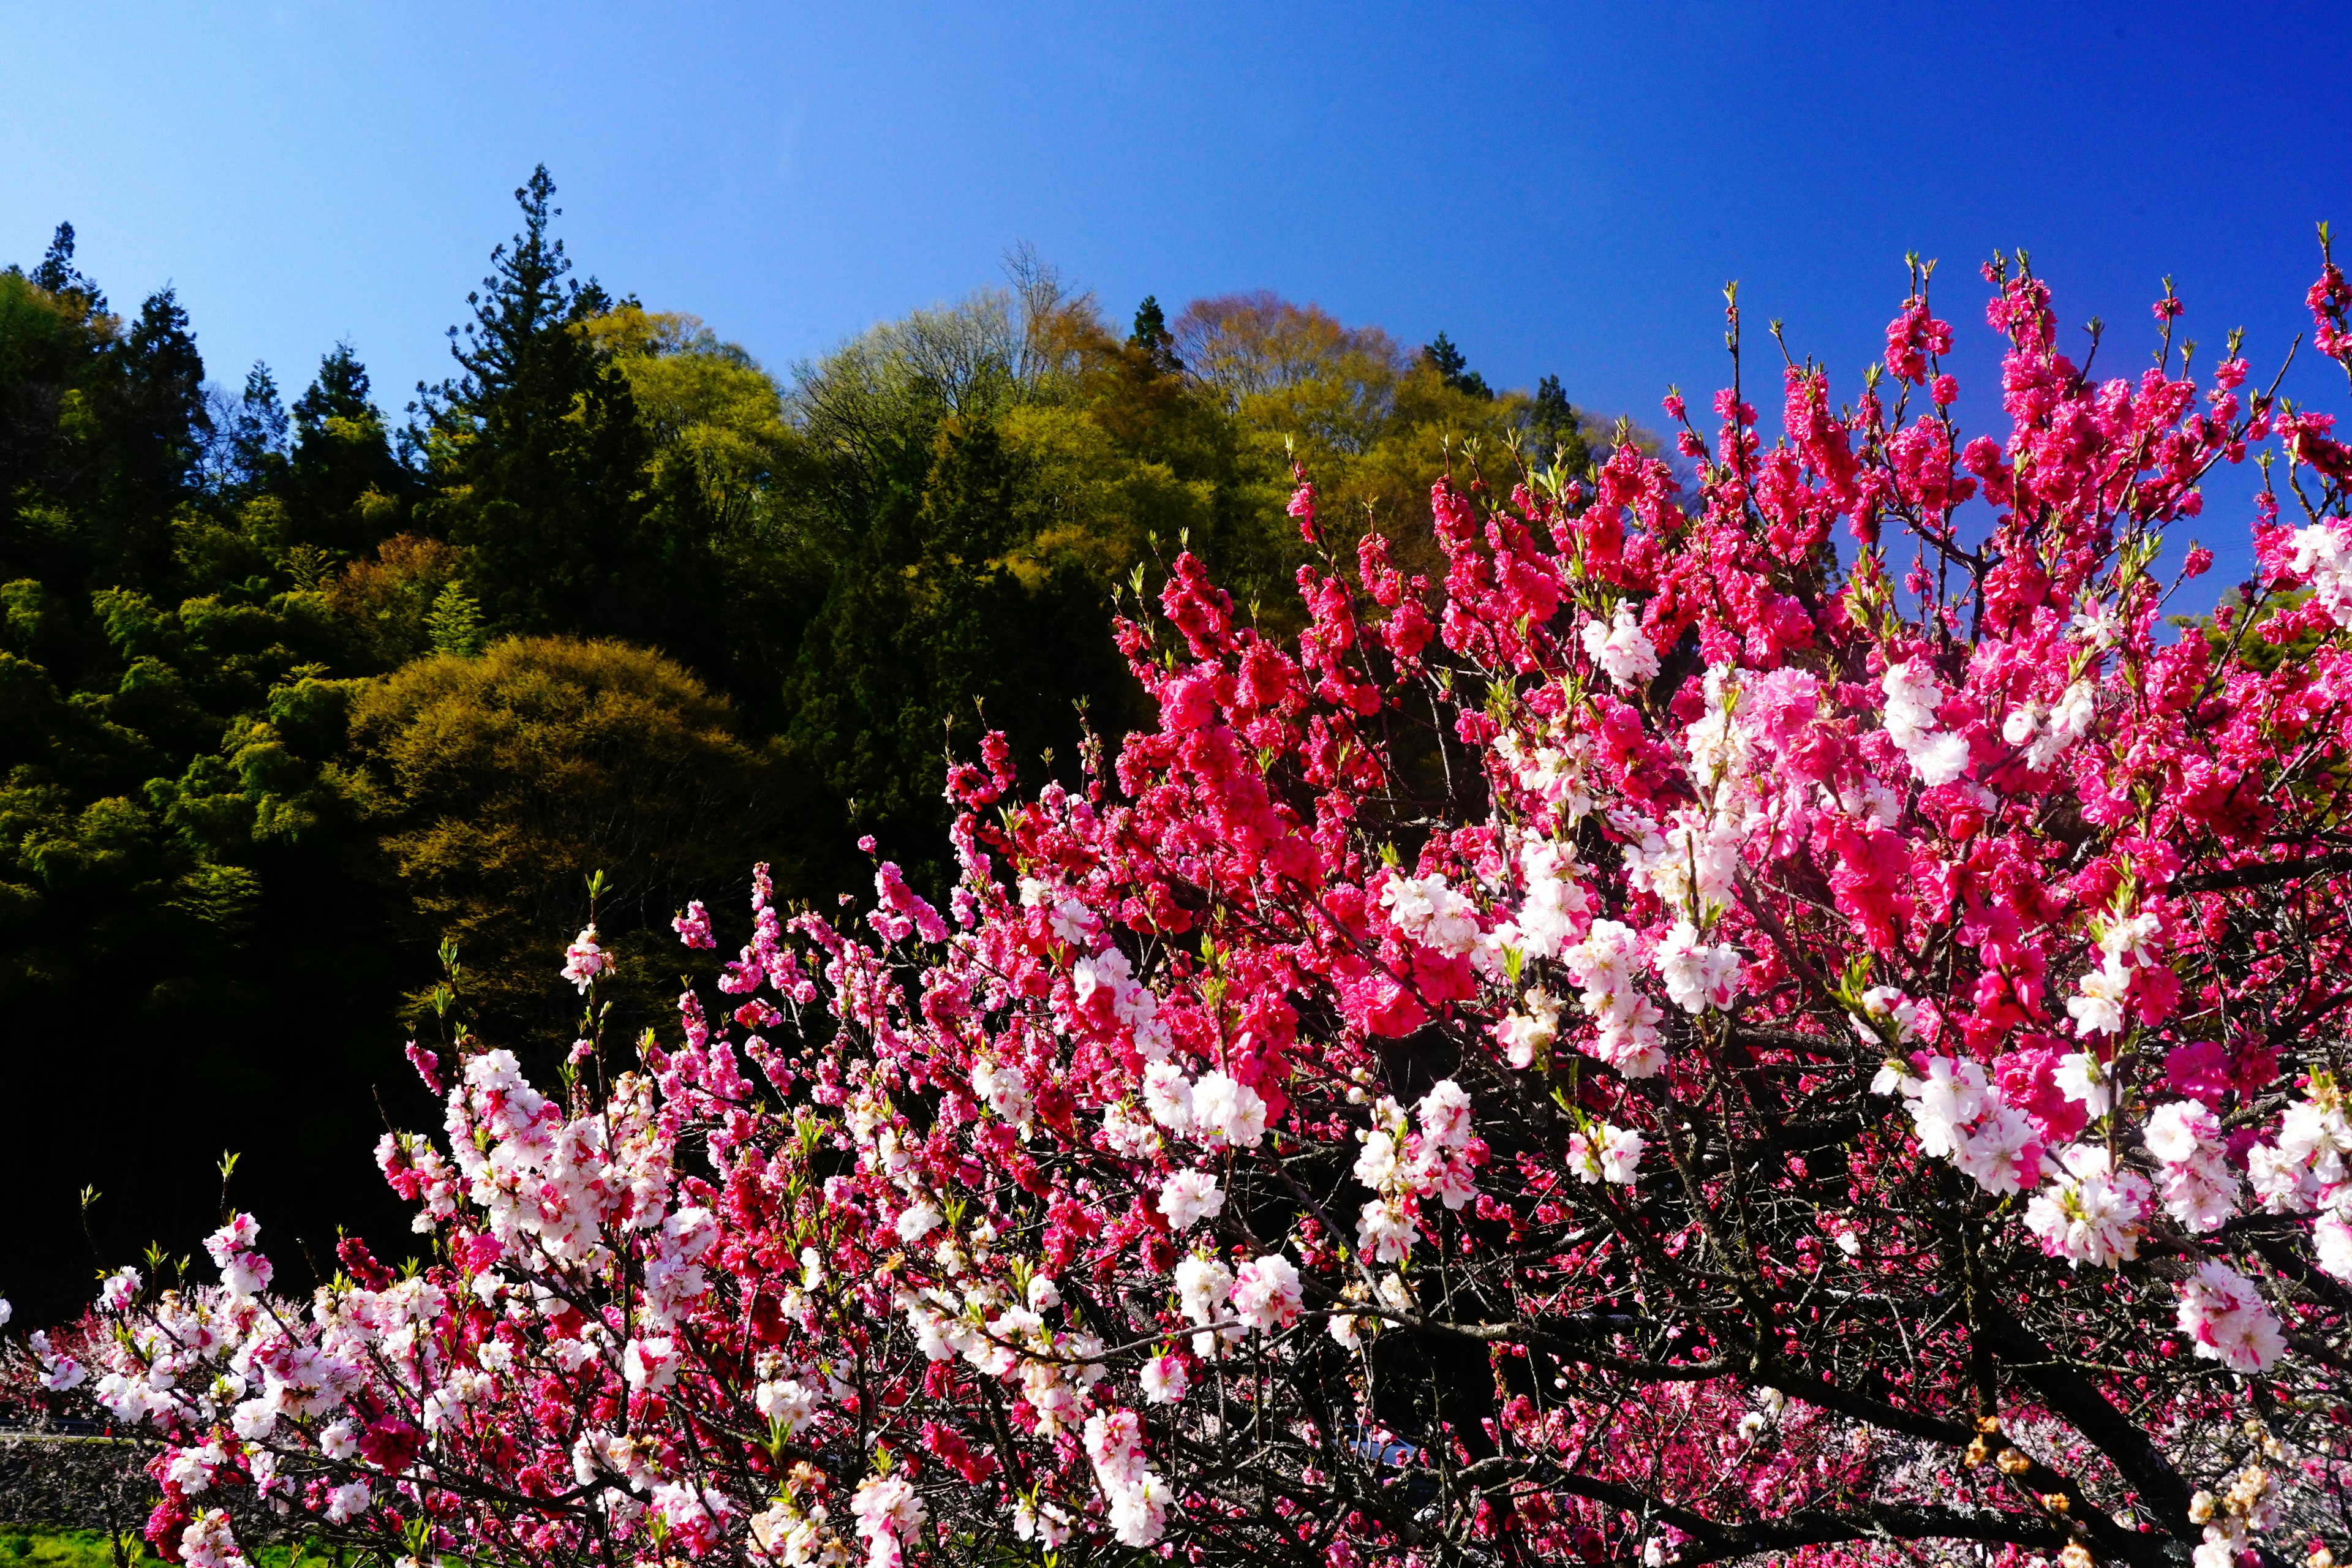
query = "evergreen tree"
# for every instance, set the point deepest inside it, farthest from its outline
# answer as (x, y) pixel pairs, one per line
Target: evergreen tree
(1153, 338)
(1453, 368)
(54, 356)
(251, 448)
(537, 452)
(57, 275)
(456, 623)
(1555, 429)
(155, 424)
(340, 392)
(347, 489)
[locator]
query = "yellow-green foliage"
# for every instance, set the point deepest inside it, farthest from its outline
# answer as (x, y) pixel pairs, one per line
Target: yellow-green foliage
(716, 418)
(1098, 505)
(502, 781)
(1371, 424)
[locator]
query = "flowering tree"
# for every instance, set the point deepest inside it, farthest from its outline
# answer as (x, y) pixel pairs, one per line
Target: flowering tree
(1693, 1038)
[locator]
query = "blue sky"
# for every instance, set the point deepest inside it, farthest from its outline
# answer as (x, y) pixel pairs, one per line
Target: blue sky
(1561, 188)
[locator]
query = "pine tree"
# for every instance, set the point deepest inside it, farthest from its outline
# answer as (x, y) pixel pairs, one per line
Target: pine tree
(347, 489)
(250, 453)
(537, 452)
(57, 274)
(1151, 335)
(1453, 368)
(1555, 429)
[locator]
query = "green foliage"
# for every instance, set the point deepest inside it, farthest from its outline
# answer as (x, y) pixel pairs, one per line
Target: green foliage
(288, 697)
(38, 1548)
(497, 783)
(455, 624)
(345, 489)
(1453, 368)
(536, 454)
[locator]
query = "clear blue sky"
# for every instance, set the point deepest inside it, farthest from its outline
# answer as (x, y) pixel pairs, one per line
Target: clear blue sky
(1561, 188)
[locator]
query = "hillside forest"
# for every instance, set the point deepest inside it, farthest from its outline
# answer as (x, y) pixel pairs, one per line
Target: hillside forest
(316, 719)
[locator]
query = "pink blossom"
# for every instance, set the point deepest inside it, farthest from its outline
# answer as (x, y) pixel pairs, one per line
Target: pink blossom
(584, 960)
(2226, 1319)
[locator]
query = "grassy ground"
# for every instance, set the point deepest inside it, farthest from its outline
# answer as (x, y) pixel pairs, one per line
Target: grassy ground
(34, 1548)
(60, 1549)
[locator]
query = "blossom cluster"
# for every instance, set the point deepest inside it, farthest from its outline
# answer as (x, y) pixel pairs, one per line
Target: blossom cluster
(1689, 1038)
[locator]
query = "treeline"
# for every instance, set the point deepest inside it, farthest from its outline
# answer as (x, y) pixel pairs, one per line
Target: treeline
(291, 695)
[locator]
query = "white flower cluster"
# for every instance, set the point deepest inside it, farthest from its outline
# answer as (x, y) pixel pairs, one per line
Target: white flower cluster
(1138, 1496)
(2194, 1178)
(1204, 1291)
(548, 1188)
(2091, 1211)
(794, 1531)
(1697, 975)
(1266, 1293)
(1530, 1029)
(1556, 770)
(1403, 1168)
(2323, 559)
(1955, 1113)
(1692, 862)
(2045, 734)
(1432, 912)
(1890, 1020)
(1003, 1088)
(2227, 1320)
(1604, 964)
(1188, 1197)
(1620, 649)
(1938, 755)
(2305, 1169)
(2097, 1008)
(1719, 746)
(1553, 903)
(889, 1512)
(1055, 1369)
(2097, 623)
(2088, 1211)
(1218, 1110)
(1606, 1153)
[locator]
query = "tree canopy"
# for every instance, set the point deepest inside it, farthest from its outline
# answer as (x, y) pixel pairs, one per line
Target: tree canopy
(292, 689)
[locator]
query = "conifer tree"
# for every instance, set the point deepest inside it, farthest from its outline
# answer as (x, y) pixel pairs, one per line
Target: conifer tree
(57, 275)
(456, 623)
(250, 453)
(1151, 335)
(1555, 429)
(536, 450)
(1453, 367)
(347, 487)
(156, 425)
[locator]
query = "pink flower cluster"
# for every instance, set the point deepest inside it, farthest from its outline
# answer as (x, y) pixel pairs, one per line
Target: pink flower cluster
(1687, 1039)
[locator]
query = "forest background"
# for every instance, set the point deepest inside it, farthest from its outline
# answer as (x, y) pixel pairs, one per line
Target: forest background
(297, 697)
